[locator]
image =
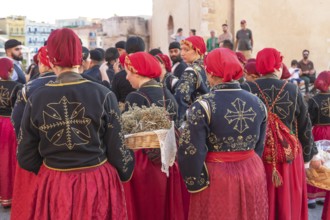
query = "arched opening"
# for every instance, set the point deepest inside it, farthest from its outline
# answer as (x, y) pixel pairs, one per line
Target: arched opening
(170, 28)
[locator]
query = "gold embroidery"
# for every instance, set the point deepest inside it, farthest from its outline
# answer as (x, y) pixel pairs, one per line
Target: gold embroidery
(127, 157)
(191, 150)
(193, 180)
(216, 144)
(325, 108)
(64, 121)
(184, 87)
(185, 136)
(195, 116)
(240, 143)
(77, 168)
(4, 97)
(240, 115)
(282, 106)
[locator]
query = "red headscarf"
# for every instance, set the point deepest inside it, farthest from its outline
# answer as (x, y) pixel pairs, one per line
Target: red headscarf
(164, 59)
(144, 64)
(64, 48)
(285, 72)
(35, 59)
(322, 81)
(5, 66)
(122, 59)
(251, 69)
(196, 43)
(223, 62)
(241, 57)
(268, 60)
(43, 56)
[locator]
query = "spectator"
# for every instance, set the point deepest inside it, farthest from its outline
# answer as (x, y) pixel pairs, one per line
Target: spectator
(244, 40)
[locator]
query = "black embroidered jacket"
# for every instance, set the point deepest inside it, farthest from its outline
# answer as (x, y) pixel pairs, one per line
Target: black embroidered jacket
(8, 96)
(24, 94)
(192, 84)
(73, 123)
(291, 108)
(319, 109)
(153, 92)
(226, 119)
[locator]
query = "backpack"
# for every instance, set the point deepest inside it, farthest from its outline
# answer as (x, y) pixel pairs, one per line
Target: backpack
(281, 145)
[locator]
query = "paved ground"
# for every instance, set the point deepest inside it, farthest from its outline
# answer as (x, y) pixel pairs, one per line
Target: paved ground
(314, 214)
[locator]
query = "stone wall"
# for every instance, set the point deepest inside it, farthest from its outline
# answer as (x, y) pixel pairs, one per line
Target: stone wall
(121, 27)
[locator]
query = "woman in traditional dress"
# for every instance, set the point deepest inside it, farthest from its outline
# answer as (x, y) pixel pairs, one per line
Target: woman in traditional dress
(150, 194)
(167, 79)
(286, 180)
(319, 111)
(221, 146)
(8, 143)
(22, 195)
(72, 140)
(192, 82)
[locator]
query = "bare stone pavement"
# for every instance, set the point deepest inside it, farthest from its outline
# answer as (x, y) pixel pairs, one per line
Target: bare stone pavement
(314, 214)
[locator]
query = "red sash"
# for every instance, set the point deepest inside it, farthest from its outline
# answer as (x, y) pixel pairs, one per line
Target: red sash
(219, 157)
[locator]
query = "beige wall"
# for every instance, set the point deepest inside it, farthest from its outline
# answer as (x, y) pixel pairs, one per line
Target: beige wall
(289, 26)
(202, 15)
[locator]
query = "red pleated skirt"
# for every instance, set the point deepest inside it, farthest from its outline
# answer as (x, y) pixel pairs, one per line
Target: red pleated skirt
(24, 186)
(321, 132)
(237, 191)
(289, 201)
(151, 195)
(326, 207)
(94, 193)
(315, 193)
(8, 146)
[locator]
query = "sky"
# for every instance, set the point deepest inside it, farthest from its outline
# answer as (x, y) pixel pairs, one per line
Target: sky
(50, 10)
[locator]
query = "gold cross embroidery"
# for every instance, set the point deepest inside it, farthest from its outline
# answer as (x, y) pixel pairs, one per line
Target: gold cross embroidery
(240, 115)
(65, 123)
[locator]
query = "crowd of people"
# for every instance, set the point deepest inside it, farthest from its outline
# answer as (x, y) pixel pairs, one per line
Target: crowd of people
(244, 130)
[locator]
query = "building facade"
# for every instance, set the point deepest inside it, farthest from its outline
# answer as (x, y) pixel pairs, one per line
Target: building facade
(289, 26)
(13, 27)
(73, 23)
(36, 34)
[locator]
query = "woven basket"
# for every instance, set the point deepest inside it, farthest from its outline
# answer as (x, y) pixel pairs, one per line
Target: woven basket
(319, 178)
(142, 140)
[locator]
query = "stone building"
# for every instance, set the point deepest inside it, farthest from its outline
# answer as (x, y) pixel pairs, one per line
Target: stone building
(121, 27)
(289, 26)
(90, 36)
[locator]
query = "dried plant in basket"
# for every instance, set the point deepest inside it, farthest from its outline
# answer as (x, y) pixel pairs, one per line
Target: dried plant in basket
(141, 119)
